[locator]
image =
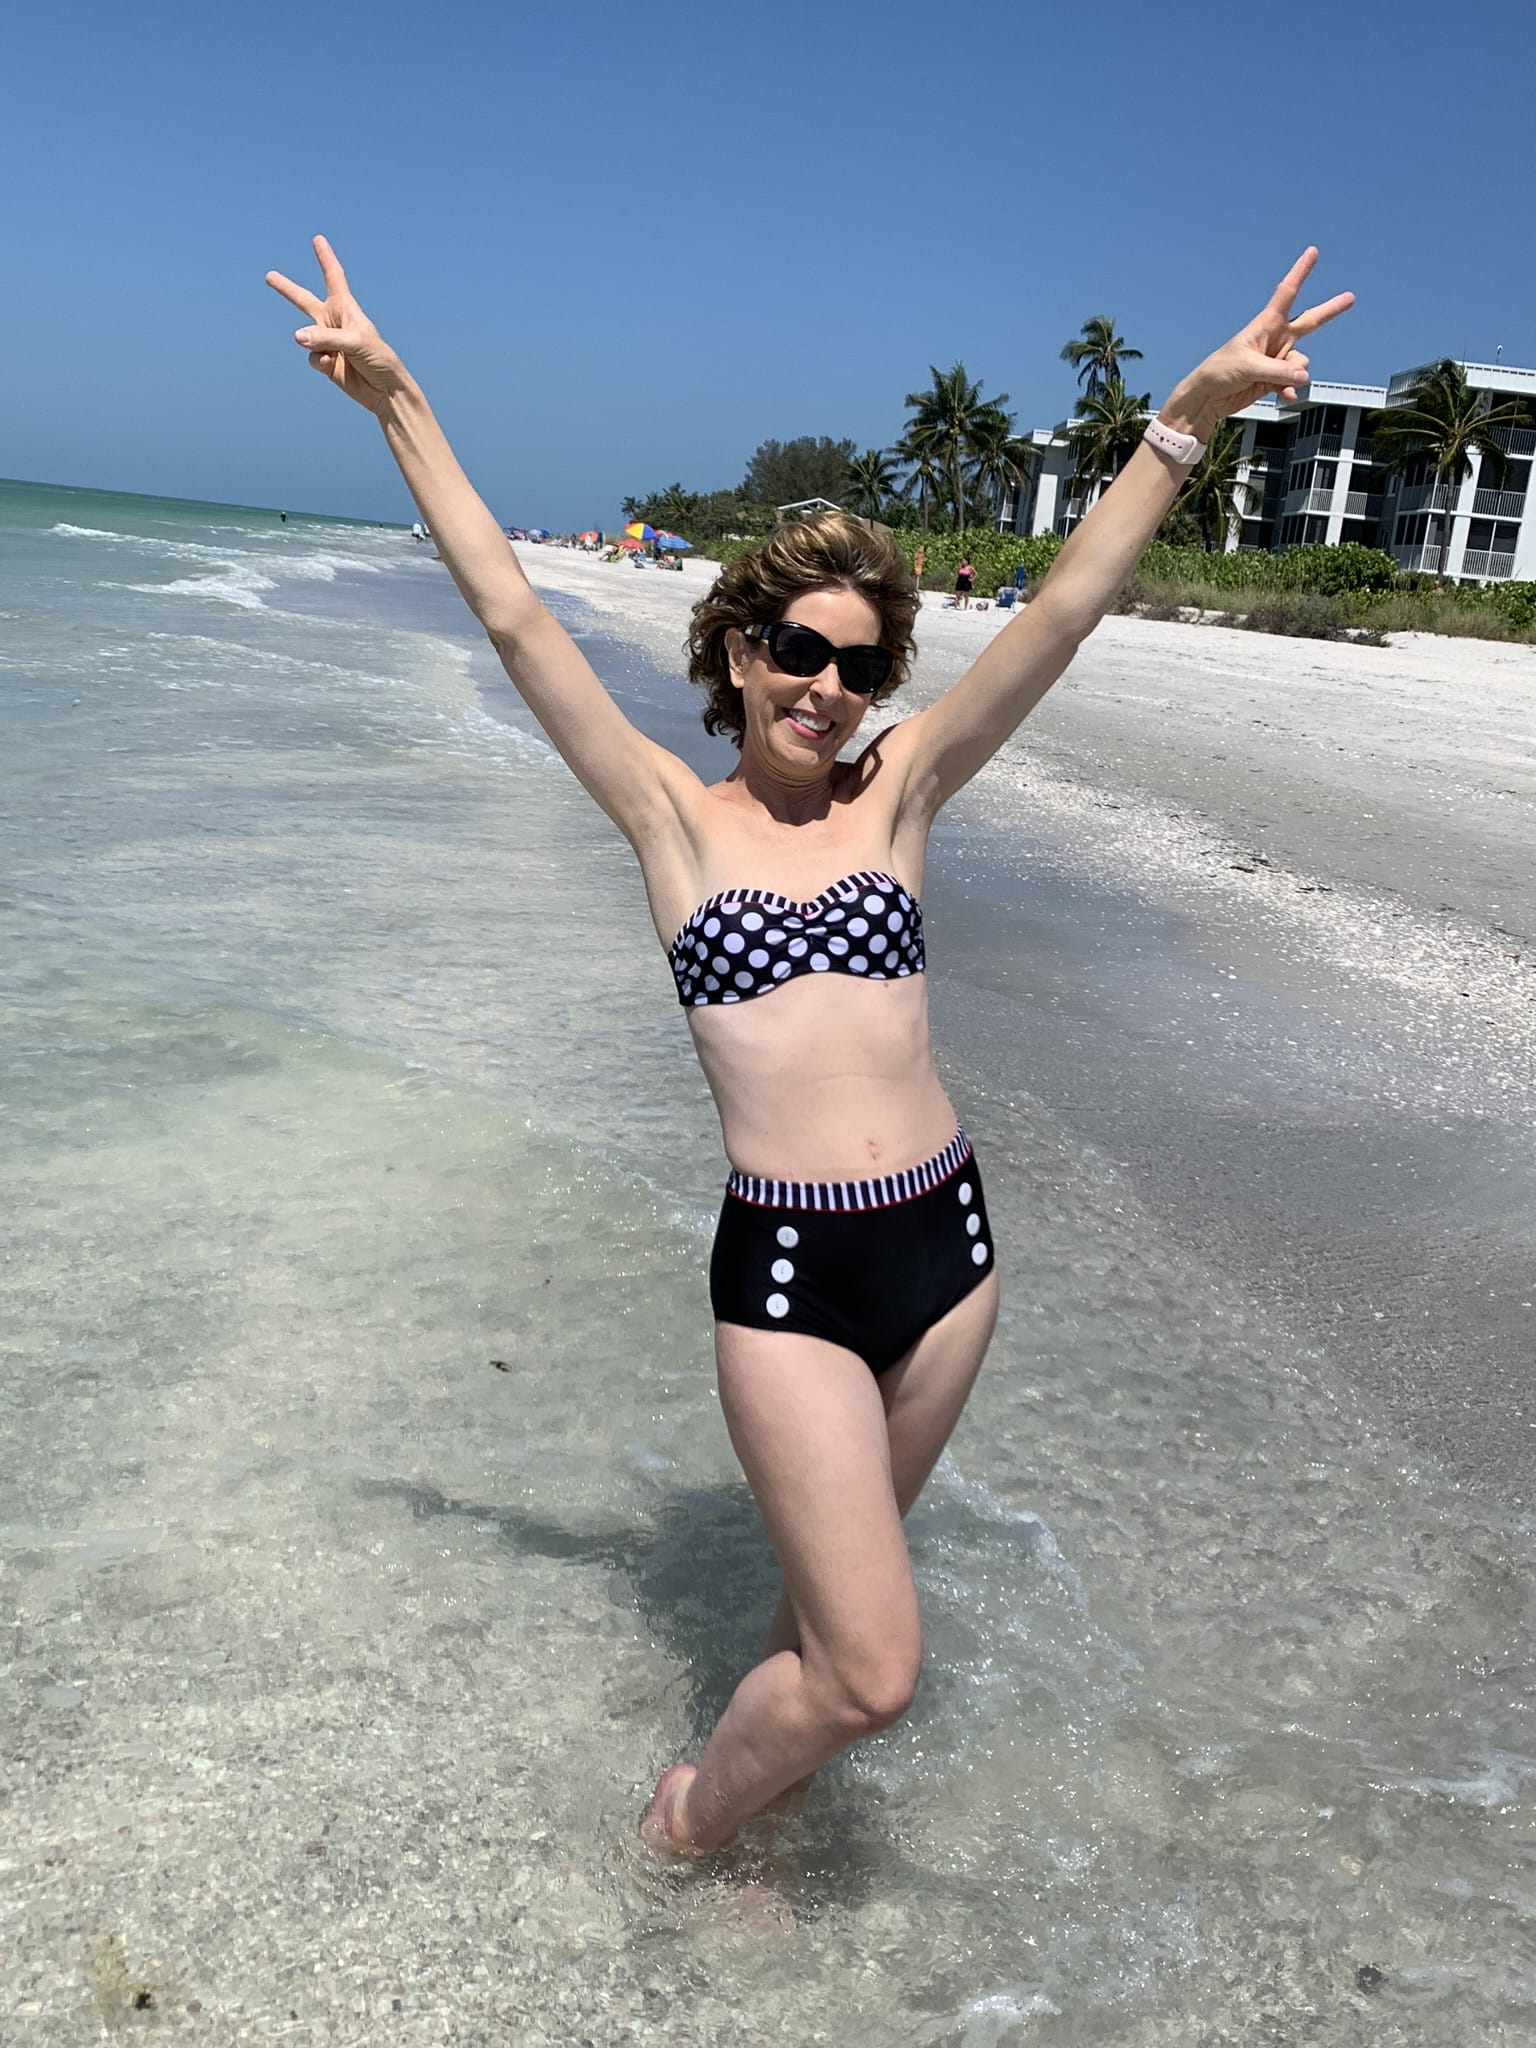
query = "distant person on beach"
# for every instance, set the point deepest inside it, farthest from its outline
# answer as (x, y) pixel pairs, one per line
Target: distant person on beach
(965, 583)
(852, 1278)
(917, 570)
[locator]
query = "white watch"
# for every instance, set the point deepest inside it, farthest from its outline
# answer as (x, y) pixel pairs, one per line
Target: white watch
(1182, 447)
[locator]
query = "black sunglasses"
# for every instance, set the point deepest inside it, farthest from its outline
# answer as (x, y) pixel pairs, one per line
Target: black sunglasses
(802, 651)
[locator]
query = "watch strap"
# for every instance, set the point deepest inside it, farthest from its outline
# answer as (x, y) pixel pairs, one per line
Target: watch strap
(1169, 441)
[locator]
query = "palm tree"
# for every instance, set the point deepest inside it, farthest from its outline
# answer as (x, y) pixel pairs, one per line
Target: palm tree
(1099, 354)
(873, 479)
(948, 414)
(1214, 497)
(918, 448)
(1442, 423)
(1000, 460)
(1105, 434)
(675, 507)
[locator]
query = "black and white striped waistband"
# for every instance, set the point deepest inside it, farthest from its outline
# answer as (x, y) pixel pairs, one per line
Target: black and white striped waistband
(846, 1195)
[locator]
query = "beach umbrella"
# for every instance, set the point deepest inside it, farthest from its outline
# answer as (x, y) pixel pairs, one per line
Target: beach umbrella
(638, 530)
(674, 541)
(628, 542)
(590, 534)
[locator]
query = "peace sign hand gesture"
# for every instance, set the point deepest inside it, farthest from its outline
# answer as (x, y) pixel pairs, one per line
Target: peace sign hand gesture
(342, 341)
(1262, 358)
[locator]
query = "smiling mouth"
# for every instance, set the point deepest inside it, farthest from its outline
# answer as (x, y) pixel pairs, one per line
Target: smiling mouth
(816, 728)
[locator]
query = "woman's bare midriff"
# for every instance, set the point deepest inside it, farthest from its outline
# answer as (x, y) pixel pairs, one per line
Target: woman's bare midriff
(827, 1078)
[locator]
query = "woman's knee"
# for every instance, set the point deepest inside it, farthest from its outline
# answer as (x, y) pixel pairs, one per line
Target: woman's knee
(865, 1693)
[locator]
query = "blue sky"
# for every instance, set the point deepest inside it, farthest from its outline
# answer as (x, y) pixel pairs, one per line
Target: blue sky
(622, 245)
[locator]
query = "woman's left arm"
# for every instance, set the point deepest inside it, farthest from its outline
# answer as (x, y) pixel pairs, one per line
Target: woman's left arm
(955, 737)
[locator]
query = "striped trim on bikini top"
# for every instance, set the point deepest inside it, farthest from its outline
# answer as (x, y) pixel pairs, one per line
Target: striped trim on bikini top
(841, 1196)
(748, 942)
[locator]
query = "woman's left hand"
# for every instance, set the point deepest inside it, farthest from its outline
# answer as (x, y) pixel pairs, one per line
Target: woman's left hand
(1263, 358)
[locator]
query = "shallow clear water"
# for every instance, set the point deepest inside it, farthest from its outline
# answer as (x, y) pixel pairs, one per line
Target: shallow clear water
(369, 1533)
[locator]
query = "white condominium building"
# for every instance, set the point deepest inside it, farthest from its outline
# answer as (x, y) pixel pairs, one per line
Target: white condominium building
(1309, 474)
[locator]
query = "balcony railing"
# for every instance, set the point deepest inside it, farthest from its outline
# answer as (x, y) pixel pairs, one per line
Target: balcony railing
(1517, 440)
(1426, 557)
(1500, 504)
(1361, 505)
(1423, 498)
(1308, 501)
(1482, 562)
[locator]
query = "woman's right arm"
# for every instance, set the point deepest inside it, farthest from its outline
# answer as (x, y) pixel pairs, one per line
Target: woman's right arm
(637, 783)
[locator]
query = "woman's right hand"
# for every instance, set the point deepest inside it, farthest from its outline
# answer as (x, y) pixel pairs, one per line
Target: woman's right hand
(342, 342)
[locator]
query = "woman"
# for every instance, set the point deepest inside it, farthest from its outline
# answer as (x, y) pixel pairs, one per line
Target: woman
(965, 583)
(852, 1277)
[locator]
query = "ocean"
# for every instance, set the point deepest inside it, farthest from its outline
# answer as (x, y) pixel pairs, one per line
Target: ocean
(369, 1533)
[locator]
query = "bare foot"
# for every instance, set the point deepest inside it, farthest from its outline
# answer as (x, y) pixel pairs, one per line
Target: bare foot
(659, 1830)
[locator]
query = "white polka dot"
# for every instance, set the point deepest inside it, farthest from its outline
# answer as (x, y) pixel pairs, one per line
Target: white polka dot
(837, 944)
(895, 921)
(820, 963)
(902, 970)
(778, 1304)
(757, 957)
(701, 949)
(782, 1271)
(973, 1223)
(858, 964)
(721, 964)
(711, 982)
(780, 969)
(798, 949)
(978, 1256)
(751, 922)
(879, 943)
(964, 1192)
(788, 1236)
(730, 996)
(836, 916)
(712, 927)
(773, 938)
(794, 923)
(733, 942)
(745, 980)
(904, 900)
(874, 905)
(858, 926)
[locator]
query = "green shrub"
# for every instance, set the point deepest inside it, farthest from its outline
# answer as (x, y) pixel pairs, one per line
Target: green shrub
(994, 556)
(1303, 614)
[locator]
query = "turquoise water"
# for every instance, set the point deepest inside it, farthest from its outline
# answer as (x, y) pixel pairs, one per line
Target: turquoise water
(369, 1535)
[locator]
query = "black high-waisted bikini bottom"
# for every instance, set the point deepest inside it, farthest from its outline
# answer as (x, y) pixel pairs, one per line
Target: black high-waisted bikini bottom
(868, 1264)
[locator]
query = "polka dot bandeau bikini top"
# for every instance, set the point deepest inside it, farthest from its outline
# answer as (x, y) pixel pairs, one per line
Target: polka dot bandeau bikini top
(748, 942)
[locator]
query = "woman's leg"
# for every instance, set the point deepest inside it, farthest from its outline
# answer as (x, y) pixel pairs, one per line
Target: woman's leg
(923, 1397)
(809, 1426)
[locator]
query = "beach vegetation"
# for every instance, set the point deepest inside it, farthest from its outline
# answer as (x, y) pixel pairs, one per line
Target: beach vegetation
(1216, 499)
(811, 466)
(873, 477)
(1098, 353)
(949, 425)
(1106, 432)
(1000, 461)
(995, 557)
(918, 449)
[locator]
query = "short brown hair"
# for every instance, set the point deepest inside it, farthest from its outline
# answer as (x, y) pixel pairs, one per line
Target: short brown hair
(831, 551)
